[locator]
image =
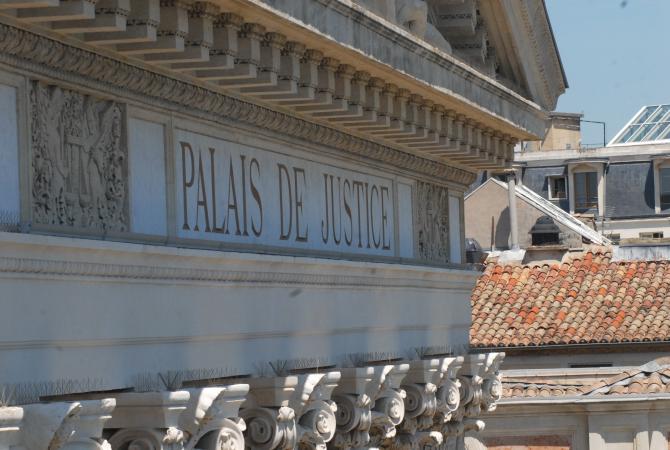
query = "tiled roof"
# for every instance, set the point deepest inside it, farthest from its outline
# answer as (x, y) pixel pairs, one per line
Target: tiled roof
(585, 299)
(651, 378)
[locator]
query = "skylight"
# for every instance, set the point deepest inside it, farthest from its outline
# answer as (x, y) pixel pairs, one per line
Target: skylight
(650, 125)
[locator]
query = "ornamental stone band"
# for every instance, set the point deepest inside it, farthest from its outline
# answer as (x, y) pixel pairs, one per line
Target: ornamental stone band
(392, 406)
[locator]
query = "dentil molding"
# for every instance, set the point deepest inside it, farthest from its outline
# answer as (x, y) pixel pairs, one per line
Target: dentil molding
(58, 60)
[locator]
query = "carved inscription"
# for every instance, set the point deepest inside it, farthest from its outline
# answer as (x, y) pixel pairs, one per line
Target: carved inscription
(432, 222)
(79, 162)
(243, 194)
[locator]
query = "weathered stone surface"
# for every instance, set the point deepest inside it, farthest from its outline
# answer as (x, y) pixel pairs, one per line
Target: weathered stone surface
(79, 162)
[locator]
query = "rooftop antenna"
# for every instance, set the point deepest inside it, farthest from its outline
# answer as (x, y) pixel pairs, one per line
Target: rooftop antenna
(604, 129)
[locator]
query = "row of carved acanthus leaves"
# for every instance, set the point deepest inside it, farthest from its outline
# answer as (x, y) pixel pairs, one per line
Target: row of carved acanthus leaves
(61, 61)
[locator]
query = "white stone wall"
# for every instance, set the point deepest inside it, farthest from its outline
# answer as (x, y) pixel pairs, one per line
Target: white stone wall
(79, 309)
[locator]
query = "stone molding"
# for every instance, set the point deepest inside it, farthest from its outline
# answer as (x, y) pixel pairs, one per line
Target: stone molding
(43, 267)
(24, 254)
(390, 406)
(537, 31)
(58, 60)
(369, 22)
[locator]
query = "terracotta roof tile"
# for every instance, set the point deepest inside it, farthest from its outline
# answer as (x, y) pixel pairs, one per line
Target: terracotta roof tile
(651, 378)
(587, 298)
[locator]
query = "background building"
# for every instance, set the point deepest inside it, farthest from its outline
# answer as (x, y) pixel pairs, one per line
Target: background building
(620, 189)
(586, 343)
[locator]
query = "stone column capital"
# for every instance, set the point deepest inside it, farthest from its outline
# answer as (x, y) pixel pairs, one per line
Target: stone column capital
(68, 426)
(148, 419)
(211, 420)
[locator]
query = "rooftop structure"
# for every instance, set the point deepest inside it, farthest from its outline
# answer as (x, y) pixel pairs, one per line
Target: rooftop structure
(650, 125)
(586, 343)
(587, 299)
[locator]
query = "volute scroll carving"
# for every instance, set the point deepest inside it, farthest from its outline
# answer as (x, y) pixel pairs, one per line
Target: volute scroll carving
(269, 428)
(67, 426)
(370, 405)
(449, 394)
(294, 410)
(353, 420)
(147, 439)
(212, 419)
(147, 421)
(492, 384)
(315, 411)
(428, 385)
(470, 380)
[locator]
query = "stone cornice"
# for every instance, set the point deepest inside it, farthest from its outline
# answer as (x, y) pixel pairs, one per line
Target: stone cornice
(545, 69)
(23, 254)
(64, 61)
(529, 116)
(44, 267)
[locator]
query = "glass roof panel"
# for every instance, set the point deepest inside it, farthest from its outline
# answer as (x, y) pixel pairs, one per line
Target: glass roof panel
(665, 135)
(642, 132)
(651, 124)
(658, 131)
(646, 112)
(658, 114)
(629, 132)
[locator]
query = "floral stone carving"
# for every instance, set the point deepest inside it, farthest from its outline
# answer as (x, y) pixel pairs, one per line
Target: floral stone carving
(79, 160)
(432, 222)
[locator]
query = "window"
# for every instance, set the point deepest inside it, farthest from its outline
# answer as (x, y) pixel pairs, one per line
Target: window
(664, 185)
(557, 189)
(614, 237)
(589, 365)
(586, 191)
(651, 235)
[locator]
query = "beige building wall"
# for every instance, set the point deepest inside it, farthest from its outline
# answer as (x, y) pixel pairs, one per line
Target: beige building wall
(563, 133)
(487, 218)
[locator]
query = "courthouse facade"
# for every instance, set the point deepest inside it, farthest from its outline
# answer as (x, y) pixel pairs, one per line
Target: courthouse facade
(239, 223)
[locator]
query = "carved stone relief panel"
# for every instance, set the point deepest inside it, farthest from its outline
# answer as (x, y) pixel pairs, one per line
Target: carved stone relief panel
(432, 222)
(79, 160)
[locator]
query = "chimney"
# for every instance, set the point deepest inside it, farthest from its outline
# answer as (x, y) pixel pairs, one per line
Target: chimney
(513, 220)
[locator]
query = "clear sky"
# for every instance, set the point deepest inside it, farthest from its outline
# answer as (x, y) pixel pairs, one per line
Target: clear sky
(616, 55)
